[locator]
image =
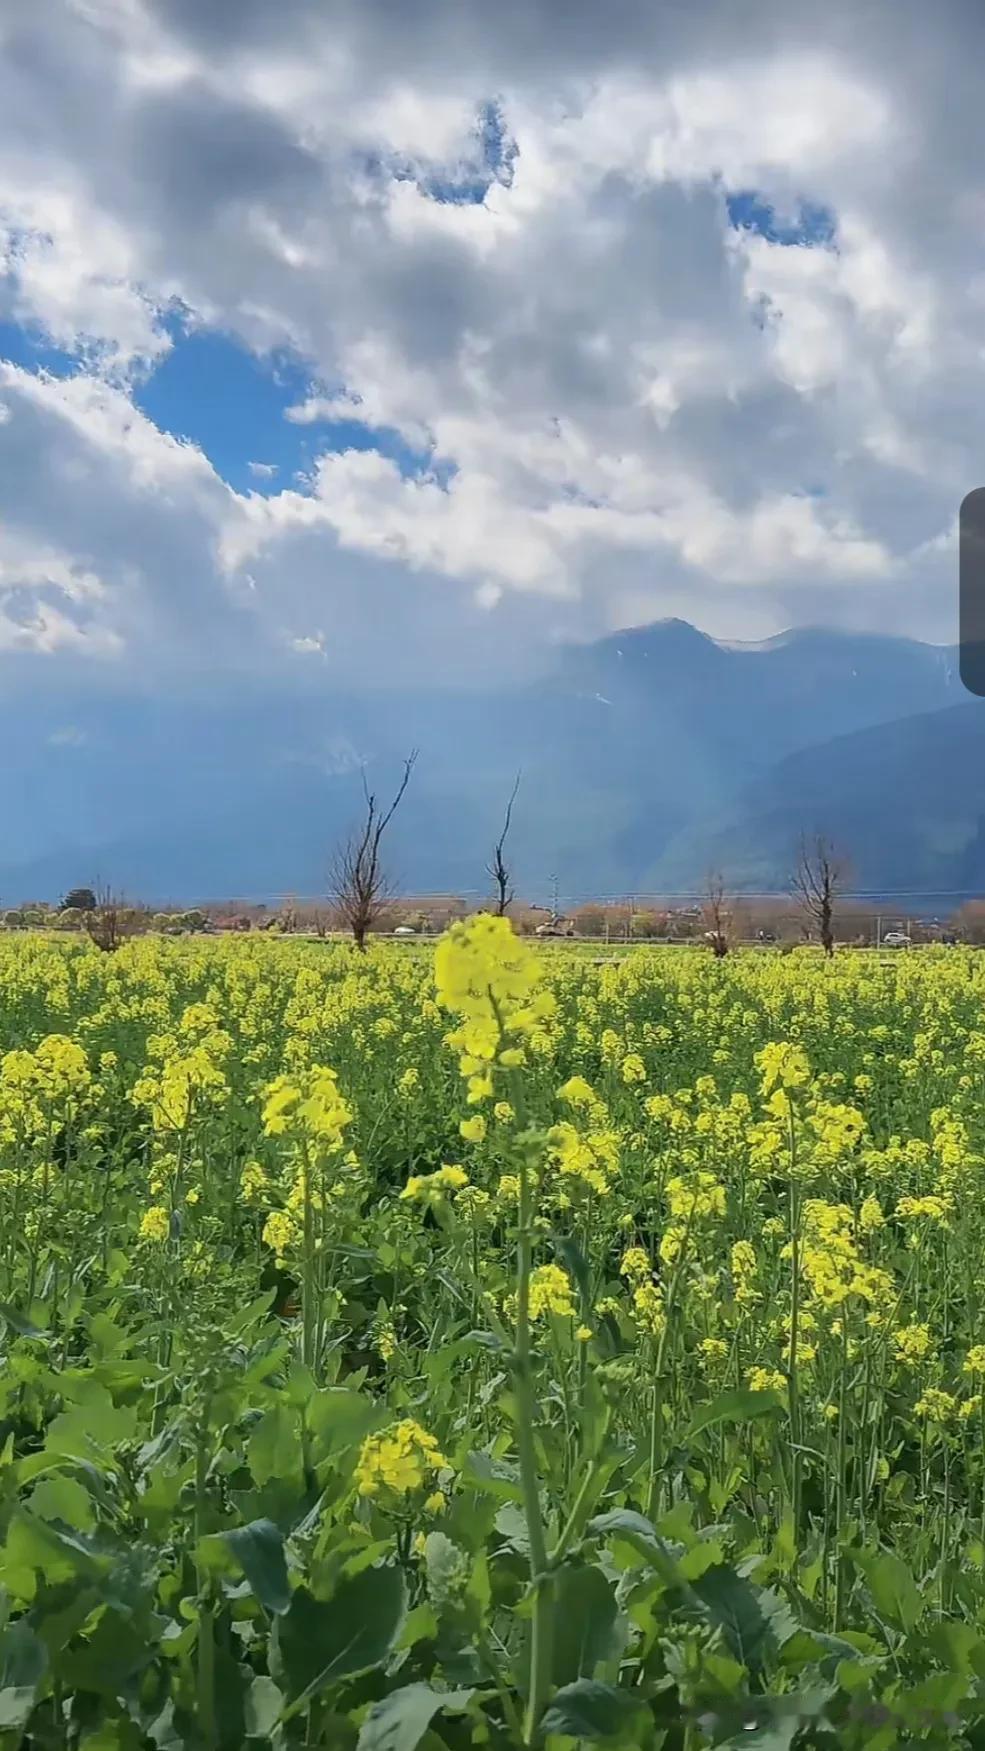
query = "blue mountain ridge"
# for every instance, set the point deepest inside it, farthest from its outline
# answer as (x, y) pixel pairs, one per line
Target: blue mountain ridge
(647, 758)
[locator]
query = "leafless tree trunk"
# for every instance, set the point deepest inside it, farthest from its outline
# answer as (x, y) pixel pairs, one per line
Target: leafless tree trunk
(111, 921)
(359, 884)
(816, 883)
(718, 916)
(499, 869)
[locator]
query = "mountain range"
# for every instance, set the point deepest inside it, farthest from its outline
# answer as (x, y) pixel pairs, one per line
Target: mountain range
(647, 759)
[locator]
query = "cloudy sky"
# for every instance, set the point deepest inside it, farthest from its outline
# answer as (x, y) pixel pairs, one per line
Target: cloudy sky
(378, 336)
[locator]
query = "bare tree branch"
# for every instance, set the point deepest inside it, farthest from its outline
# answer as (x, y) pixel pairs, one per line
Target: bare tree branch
(499, 869)
(111, 920)
(817, 880)
(358, 882)
(718, 917)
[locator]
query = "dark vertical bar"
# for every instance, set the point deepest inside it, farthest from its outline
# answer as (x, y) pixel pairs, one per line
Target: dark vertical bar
(972, 591)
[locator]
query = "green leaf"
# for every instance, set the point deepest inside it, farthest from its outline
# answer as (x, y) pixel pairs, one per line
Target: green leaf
(740, 1406)
(733, 1605)
(23, 1657)
(16, 1703)
(575, 1263)
(251, 1315)
(259, 1550)
(63, 1498)
(53, 1552)
(338, 1418)
(592, 1711)
(895, 1593)
(492, 1476)
(317, 1643)
(93, 1426)
(637, 1531)
(274, 1447)
(399, 1722)
(767, 1723)
(264, 1702)
(107, 1338)
(18, 1322)
(107, 1660)
(584, 1616)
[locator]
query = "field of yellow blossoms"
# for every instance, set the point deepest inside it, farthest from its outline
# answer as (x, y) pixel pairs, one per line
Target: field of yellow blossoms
(479, 1345)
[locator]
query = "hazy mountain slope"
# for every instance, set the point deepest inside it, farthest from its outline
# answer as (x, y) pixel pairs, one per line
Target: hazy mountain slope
(631, 749)
(905, 801)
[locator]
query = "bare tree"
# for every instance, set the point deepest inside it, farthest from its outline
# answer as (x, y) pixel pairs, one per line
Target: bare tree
(111, 920)
(718, 916)
(359, 884)
(499, 869)
(816, 883)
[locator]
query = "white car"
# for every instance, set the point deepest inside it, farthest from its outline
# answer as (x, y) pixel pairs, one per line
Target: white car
(405, 930)
(896, 939)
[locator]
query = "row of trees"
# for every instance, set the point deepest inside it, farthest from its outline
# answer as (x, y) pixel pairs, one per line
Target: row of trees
(362, 892)
(361, 888)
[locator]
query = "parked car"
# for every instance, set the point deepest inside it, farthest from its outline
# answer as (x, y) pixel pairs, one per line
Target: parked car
(896, 939)
(405, 930)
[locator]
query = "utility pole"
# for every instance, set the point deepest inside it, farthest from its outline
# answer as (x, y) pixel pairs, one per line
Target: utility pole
(554, 897)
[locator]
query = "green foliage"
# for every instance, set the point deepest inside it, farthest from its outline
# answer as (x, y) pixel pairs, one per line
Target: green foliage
(220, 1317)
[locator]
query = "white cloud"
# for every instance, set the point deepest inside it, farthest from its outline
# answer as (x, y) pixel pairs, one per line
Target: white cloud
(616, 404)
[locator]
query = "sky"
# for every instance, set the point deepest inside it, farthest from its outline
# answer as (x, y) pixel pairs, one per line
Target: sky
(383, 339)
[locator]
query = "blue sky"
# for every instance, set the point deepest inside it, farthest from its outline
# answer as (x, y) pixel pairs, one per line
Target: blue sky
(233, 404)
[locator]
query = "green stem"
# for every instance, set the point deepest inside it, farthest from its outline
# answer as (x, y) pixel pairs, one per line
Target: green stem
(308, 1289)
(540, 1578)
(792, 1379)
(572, 1526)
(842, 1480)
(205, 1665)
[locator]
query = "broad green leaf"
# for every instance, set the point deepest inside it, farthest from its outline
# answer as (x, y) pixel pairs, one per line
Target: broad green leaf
(107, 1660)
(768, 1723)
(895, 1593)
(63, 1498)
(93, 1426)
(339, 1418)
(16, 1703)
(637, 1531)
(316, 1644)
(585, 1614)
(274, 1447)
(741, 1406)
(591, 1711)
(399, 1722)
(47, 1550)
(259, 1550)
(23, 1657)
(108, 1338)
(20, 1323)
(492, 1476)
(264, 1702)
(733, 1605)
(251, 1315)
